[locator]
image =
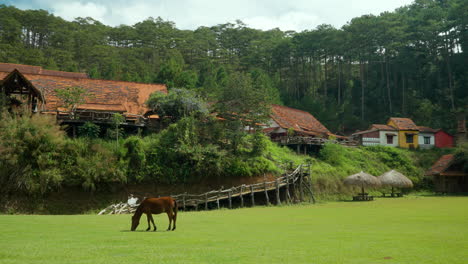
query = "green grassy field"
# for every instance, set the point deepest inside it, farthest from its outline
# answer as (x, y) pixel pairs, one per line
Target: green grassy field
(406, 230)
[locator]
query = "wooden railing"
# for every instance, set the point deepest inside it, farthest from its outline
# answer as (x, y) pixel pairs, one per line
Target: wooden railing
(294, 184)
(313, 141)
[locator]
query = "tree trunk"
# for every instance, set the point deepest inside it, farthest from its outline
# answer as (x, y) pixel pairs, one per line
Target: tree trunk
(361, 74)
(389, 94)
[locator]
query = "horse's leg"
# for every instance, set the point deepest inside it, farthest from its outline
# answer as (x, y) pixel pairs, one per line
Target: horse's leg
(174, 218)
(148, 217)
(152, 221)
(169, 215)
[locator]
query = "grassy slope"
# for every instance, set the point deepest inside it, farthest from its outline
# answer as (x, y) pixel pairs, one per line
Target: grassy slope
(335, 162)
(407, 230)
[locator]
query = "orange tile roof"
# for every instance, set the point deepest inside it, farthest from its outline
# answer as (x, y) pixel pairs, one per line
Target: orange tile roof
(381, 127)
(29, 69)
(107, 95)
(298, 120)
(131, 96)
(404, 123)
(441, 165)
(103, 107)
(426, 129)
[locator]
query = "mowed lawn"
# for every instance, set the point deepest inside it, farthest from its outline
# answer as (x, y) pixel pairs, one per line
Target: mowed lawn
(404, 230)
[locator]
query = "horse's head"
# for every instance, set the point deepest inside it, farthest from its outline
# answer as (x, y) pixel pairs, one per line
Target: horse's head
(135, 222)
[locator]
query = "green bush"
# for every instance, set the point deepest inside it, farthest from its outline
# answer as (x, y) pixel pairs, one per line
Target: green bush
(89, 130)
(29, 154)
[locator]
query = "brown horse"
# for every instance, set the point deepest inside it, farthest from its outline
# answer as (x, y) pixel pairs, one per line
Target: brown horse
(155, 206)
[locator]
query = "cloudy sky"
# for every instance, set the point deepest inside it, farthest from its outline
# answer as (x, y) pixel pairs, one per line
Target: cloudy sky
(189, 14)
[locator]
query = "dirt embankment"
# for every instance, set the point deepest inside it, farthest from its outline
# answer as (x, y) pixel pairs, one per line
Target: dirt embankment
(77, 201)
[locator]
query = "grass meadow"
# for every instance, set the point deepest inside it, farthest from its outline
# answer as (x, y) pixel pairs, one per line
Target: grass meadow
(405, 230)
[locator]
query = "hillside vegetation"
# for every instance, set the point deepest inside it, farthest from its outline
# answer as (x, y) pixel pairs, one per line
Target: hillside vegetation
(36, 158)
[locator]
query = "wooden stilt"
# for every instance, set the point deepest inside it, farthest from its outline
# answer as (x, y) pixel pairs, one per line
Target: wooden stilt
(240, 195)
(183, 201)
(217, 198)
(288, 195)
(252, 195)
(278, 200)
(301, 194)
(266, 194)
(230, 198)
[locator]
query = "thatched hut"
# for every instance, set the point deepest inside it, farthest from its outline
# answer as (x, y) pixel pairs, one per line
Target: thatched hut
(395, 179)
(362, 179)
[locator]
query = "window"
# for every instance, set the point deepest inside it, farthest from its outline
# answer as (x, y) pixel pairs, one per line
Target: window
(427, 140)
(409, 138)
(389, 139)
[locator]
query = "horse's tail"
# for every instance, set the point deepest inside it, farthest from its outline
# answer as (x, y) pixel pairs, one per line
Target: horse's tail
(175, 214)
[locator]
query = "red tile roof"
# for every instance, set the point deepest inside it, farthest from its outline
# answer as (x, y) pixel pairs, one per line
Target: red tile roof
(441, 165)
(29, 69)
(404, 123)
(120, 96)
(298, 120)
(426, 129)
(381, 127)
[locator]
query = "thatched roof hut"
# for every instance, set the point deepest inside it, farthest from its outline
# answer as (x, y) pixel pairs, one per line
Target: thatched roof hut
(362, 179)
(395, 179)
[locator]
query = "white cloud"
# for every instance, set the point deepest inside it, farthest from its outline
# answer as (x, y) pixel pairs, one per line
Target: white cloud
(71, 10)
(189, 14)
(297, 21)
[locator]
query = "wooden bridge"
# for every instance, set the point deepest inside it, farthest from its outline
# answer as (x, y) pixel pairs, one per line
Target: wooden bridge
(289, 188)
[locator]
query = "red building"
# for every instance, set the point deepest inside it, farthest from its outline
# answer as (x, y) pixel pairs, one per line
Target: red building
(443, 139)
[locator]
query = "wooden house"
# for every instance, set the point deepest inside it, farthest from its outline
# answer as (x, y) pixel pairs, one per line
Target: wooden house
(448, 175)
(407, 132)
(426, 137)
(443, 139)
(294, 127)
(378, 134)
(36, 87)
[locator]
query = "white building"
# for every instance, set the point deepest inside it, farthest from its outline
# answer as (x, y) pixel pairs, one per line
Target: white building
(426, 137)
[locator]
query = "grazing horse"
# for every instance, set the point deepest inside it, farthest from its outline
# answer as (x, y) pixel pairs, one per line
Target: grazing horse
(156, 206)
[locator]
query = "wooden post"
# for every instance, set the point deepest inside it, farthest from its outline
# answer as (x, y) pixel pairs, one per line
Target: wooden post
(266, 194)
(278, 201)
(301, 194)
(217, 197)
(240, 195)
(288, 195)
(206, 201)
(310, 184)
(183, 200)
(252, 195)
(230, 200)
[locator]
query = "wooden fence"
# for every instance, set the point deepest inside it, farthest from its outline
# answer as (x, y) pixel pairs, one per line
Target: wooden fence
(294, 184)
(287, 140)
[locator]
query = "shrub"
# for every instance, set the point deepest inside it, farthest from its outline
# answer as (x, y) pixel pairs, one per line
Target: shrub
(29, 151)
(89, 130)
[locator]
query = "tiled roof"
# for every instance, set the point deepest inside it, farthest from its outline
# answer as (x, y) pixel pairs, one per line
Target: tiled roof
(381, 127)
(298, 120)
(404, 123)
(364, 132)
(426, 129)
(441, 165)
(106, 95)
(29, 69)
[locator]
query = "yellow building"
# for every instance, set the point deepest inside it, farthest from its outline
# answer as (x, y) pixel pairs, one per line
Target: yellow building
(407, 131)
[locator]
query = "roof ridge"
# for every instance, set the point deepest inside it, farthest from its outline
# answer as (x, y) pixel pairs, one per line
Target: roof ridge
(294, 109)
(66, 77)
